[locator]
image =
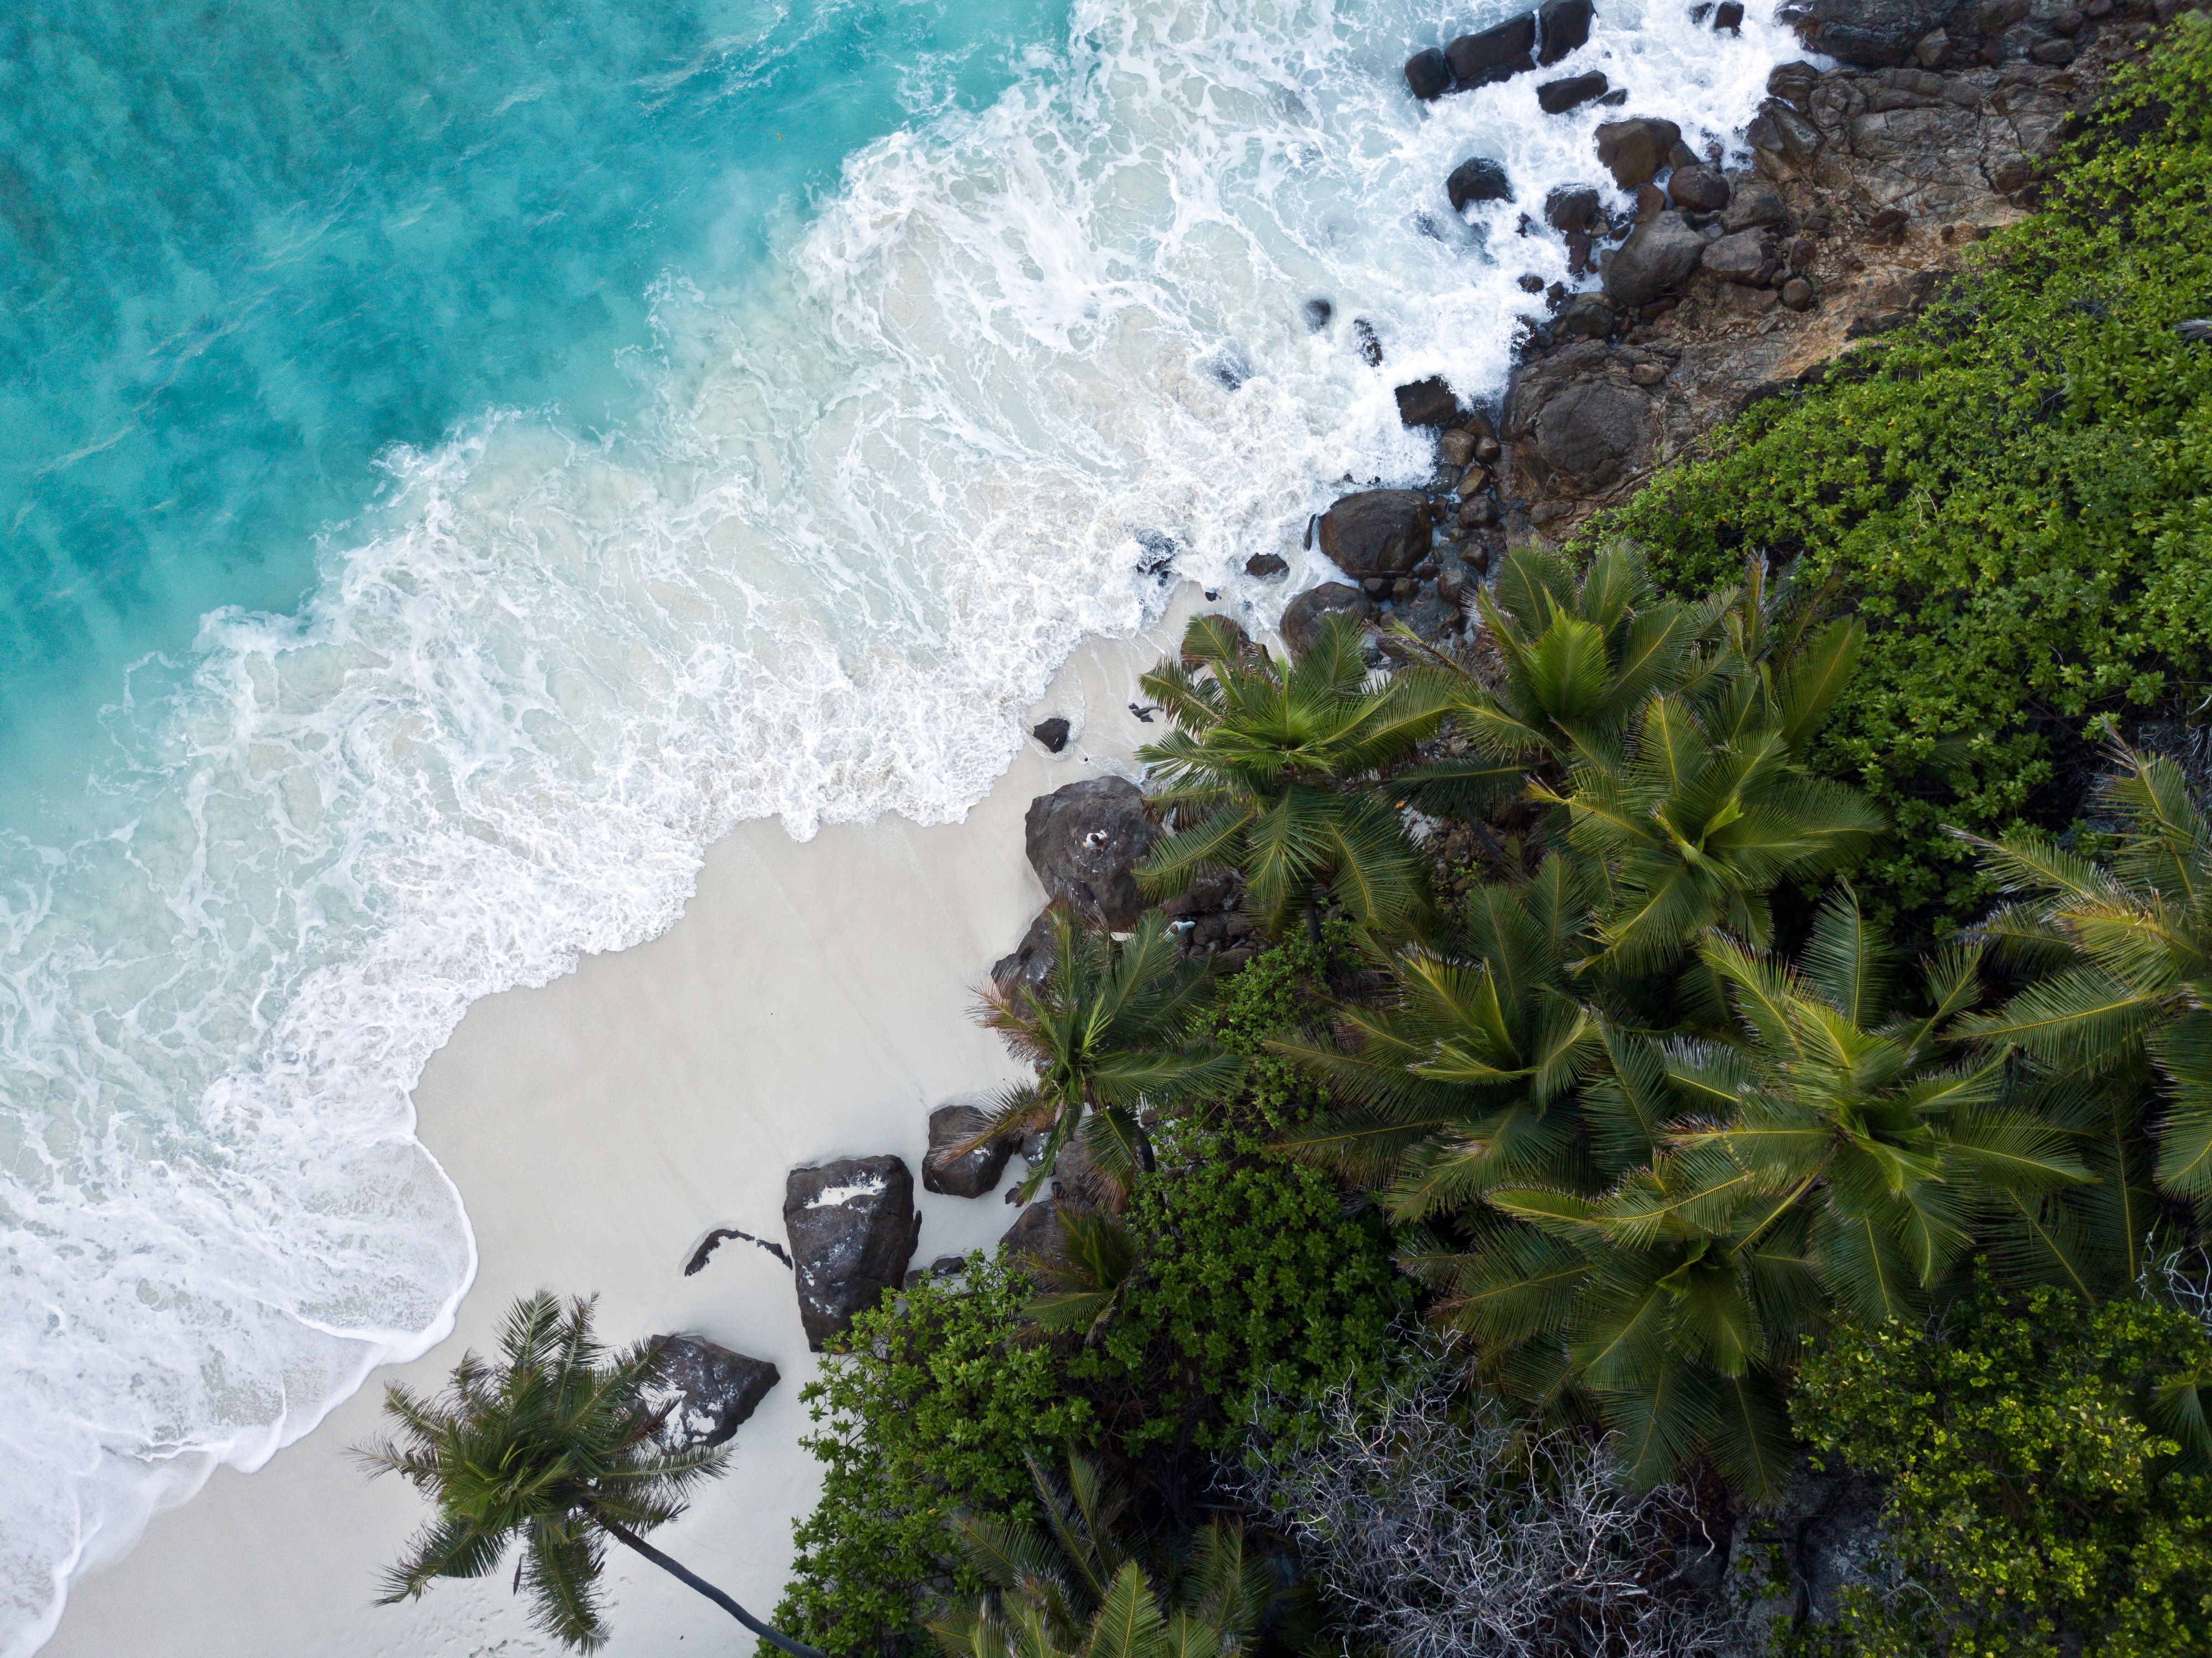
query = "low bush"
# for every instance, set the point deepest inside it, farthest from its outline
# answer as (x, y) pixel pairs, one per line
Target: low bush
(921, 1412)
(2033, 1505)
(2009, 491)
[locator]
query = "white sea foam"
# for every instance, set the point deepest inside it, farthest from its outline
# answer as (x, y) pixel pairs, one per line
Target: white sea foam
(882, 496)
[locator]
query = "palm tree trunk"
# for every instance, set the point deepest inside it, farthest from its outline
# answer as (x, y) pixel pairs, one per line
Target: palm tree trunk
(1313, 920)
(683, 1575)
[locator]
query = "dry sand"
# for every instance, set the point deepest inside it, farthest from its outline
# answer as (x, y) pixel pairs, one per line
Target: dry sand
(812, 1002)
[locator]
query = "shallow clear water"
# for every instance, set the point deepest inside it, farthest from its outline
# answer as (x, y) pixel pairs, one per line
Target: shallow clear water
(244, 248)
(523, 478)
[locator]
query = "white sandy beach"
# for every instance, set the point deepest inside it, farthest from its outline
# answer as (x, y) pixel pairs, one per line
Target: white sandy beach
(812, 1002)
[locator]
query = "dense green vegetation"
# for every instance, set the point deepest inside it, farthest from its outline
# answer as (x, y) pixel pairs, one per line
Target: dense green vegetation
(2040, 1499)
(1818, 1063)
(2009, 493)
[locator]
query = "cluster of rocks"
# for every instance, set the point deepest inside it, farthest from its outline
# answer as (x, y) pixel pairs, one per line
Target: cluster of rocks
(1717, 285)
(1534, 40)
(1085, 840)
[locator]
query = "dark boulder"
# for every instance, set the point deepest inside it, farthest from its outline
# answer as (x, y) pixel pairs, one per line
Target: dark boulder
(1868, 34)
(1728, 17)
(1564, 27)
(1031, 961)
(1301, 623)
(1699, 189)
(1592, 433)
(1052, 733)
(971, 1174)
(703, 1393)
(1085, 840)
(1427, 403)
(1495, 54)
(1633, 151)
(1377, 533)
(1569, 207)
(1754, 204)
(853, 1227)
(1558, 97)
(1267, 567)
(1428, 74)
(1737, 258)
(1318, 313)
(1477, 180)
(1659, 255)
(1034, 1230)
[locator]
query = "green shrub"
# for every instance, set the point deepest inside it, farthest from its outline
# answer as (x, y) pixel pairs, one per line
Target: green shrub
(2013, 496)
(1253, 1277)
(2031, 1509)
(1279, 991)
(920, 1414)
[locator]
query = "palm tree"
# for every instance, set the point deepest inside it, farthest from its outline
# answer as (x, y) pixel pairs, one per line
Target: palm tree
(1667, 1302)
(1075, 1590)
(2124, 1013)
(1894, 1134)
(1695, 817)
(554, 1447)
(1487, 1065)
(1579, 658)
(1272, 770)
(1107, 1032)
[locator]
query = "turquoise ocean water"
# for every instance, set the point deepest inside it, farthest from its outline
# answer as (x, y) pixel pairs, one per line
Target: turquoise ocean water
(459, 458)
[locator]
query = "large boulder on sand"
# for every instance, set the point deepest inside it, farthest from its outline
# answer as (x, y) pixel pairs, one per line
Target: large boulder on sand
(1658, 257)
(971, 1174)
(1034, 1230)
(853, 1227)
(1301, 623)
(1032, 961)
(702, 1391)
(1377, 531)
(1084, 842)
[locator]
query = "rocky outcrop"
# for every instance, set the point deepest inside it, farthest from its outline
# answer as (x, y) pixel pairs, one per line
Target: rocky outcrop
(1574, 428)
(1030, 962)
(1085, 840)
(1789, 1564)
(852, 1225)
(1494, 54)
(1377, 533)
(1033, 1231)
(1634, 151)
(1657, 258)
(1871, 34)
(701, 1393)
(969, 1174)
(1301, 623)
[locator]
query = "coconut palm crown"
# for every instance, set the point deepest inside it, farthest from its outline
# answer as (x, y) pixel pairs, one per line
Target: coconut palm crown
(553, 1448)
(1272, 770)
(2123, 1006)
(1108, 1034)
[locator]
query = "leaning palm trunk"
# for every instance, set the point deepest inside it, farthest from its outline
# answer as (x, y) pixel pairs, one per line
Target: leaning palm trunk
(552, 1449)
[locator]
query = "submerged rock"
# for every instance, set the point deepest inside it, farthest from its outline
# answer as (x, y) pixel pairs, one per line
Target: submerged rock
(1085, 840)
(1476, 180)
(705, 1391)
(853, 1227)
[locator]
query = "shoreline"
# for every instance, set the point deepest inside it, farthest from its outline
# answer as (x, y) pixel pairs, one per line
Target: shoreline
(812, 1002)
